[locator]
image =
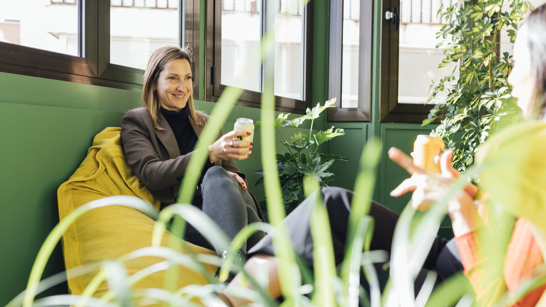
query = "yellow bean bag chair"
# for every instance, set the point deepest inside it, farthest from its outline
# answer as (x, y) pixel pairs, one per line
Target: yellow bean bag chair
(113, 231)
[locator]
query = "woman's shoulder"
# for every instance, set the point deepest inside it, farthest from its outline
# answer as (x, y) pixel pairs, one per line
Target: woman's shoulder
(140, 115)
(138, 118)
(138, 112)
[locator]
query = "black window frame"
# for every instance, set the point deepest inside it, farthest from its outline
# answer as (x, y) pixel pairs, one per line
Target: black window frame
(362, 113)
(213, 86)
(94, 67)
(390, 110)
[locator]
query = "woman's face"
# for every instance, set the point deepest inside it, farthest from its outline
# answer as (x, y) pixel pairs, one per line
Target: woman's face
(521, 77)
(174, 85)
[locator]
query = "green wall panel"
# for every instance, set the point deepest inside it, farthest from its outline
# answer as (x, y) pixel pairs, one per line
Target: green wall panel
(401, 136)
(46, 127)
(43, 145)
(349, 146)
(38, 91)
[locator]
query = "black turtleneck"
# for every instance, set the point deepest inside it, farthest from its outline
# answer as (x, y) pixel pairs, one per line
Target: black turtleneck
(182, 129)
(185, 138)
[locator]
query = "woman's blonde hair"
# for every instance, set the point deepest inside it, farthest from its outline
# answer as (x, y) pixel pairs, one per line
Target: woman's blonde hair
(536, 41)
(156, 64)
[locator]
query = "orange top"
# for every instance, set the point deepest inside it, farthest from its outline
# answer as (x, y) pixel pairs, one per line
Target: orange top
(522, 257)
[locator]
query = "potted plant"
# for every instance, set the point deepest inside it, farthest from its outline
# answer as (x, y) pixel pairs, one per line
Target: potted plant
(478, 96)
(303, 157)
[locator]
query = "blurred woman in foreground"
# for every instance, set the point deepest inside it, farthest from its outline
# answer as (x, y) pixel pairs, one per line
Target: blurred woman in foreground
(518, 184)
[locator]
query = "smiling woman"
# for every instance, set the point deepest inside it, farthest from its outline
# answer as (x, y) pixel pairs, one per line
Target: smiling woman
(159, 140)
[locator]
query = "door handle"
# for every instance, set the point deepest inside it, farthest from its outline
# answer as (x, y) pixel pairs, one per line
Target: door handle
(393, 17)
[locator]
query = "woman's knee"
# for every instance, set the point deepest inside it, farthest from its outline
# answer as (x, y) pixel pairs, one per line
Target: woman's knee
(215, 171)
(216, 175)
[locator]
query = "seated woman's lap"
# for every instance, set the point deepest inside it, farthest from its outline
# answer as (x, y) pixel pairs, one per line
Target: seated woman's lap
(338, 204)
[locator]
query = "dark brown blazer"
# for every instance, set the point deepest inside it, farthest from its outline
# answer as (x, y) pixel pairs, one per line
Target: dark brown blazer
(154, 157)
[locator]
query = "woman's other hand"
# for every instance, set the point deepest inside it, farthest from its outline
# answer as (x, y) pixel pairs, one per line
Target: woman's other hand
(430, 188)
(226, 148)
(411, 183)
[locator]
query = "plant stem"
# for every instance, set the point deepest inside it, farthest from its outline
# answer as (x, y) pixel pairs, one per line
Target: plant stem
(491, 83)
(310, 131)
(490, 77)
(282, 136)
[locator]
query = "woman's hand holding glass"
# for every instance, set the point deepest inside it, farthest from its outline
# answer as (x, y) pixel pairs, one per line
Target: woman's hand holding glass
(430, 188)
(227, 148)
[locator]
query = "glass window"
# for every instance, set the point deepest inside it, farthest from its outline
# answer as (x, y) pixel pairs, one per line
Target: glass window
(122, 32)
(289, 50)
(237, 30)
(351, 46)
(241, 33)
(40, 24)
(418, 56)
(350, 60)
(138, 28)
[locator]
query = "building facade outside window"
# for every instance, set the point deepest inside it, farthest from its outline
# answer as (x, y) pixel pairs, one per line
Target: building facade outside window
(98, 42)
(235, 33)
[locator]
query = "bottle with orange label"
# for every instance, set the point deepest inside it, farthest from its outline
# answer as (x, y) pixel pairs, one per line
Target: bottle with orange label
(425, 148)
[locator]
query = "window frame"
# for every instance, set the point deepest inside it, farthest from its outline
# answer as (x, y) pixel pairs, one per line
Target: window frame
(248, 98)
(362, 112)
(389, 108)
(93, 66)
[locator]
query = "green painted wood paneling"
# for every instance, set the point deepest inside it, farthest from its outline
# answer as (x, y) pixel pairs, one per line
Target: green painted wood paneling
(46, 127)
(320, 32)
(391, 174)
(349, 146)
(401, 136)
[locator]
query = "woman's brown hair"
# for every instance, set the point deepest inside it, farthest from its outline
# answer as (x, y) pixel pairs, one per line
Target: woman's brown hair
(156, 64)
(536, 41)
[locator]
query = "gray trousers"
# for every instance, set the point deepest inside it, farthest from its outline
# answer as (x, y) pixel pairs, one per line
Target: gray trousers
(231, 207)
(443, 256)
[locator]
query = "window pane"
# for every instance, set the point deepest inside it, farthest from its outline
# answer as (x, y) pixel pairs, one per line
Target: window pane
(349, 71)
(289, 49)
(241, 32)
(138, 28)
(419, 58)
(42, 24)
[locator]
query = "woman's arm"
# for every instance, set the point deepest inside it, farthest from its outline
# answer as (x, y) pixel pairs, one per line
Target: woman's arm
(144, 160)
(157, 174)
(486, 277)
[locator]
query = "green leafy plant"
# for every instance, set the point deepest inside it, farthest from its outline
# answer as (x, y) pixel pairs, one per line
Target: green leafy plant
(478, 96)
(303, 158)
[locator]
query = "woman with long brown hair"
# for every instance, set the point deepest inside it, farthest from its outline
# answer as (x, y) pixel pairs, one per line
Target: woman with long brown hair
(518, 185)
(159, 139)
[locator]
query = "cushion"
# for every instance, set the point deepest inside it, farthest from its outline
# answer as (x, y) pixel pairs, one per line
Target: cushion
(113, 231)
